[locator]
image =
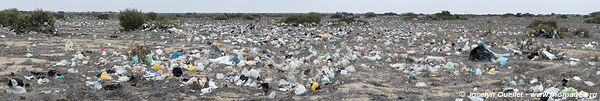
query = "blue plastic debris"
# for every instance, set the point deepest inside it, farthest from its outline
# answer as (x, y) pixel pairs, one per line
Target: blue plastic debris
(176, 55)
(134, 60)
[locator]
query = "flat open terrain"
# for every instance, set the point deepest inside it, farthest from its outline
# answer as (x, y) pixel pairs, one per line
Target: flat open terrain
(396, 41)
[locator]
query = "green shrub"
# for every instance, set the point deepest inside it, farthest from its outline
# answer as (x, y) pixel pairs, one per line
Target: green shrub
(518, 15)
(562, 32)
(220, 17)
(341, 15)
(593, 18)
(103, 16)
(141, 51)
(390, 14)
(347, 20)
(540, 24)
(532, 33)
(542, 28)
(409, 16)
(582, 32)
(42, 21)
(562, 16)
(131, 19)
(351, 20)
(312, 17)
(370, 15)
(162, 23)
(239, 16)
(8, 17)
(38, 21)
(248, 17)
(59, 15)
(151, 16)
(595, 14)
(446, 15)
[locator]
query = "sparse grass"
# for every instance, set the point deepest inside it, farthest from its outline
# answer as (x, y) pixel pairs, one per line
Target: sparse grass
(131, 19)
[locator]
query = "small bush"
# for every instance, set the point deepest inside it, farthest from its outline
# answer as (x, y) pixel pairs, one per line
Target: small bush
(544, 29)
(248, 17)
(220, 17)
(42, 21)
(595, 58)
(582, 32)
(141, 51)
(390, 14)
(347, 20)
(351, 20)
(446, 15)
(162, 23)
(562, 32)
(370, 15)
(38, 21)
(532, 33)
(59, 15)
(312, 17)
(341, 15)
(131, 19)
(409, 16)
(103, 16)
(8, 17)
(545, 25)
(239, 16)
(563, 16)
(508, 15)
(151, 16)
(593, 18)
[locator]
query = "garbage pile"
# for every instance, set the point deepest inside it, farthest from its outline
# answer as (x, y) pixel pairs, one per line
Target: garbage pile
(277, 61)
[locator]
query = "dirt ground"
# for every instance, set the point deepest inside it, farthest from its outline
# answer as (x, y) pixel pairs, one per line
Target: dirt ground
(374, 81)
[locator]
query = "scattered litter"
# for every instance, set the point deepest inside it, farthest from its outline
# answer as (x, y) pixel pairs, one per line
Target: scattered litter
(421, 84)
(589, 83)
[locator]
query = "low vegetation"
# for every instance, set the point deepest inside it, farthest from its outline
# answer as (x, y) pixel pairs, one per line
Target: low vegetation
(582, 32)
(37, 21)
(151, 16)
(312, 17)
(445, 15)
(131, 19)
(341, 15)
(238, 16)
(550, 29)
(593, 18)
(103, 16)
(370, 15)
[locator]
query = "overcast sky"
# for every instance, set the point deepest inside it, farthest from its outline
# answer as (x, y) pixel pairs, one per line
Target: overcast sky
(325, 6)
